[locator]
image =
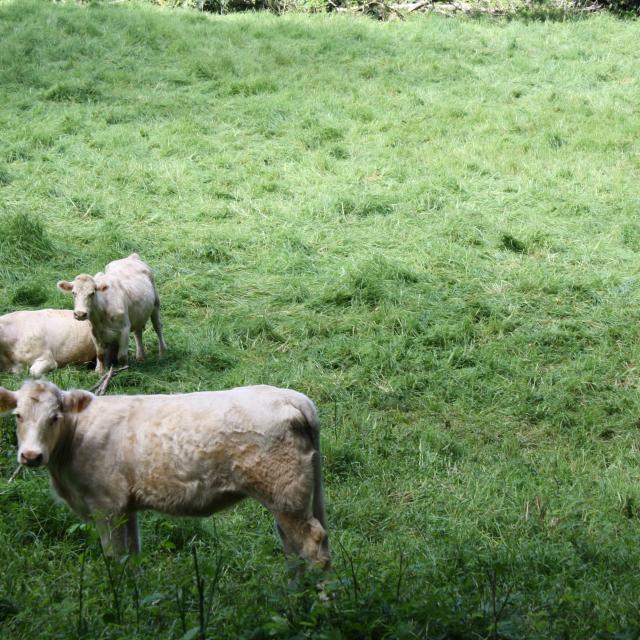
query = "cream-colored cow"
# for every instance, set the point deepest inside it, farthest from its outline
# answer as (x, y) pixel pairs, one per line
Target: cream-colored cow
(185, 455)
(43, 340)
(116, 302)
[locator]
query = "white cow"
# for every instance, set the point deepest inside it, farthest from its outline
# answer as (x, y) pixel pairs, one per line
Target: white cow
(185, 455)
(116, 302)
(43, 340)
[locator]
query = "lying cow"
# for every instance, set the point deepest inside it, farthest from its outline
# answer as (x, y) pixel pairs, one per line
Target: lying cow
(116, 302)
(185, 455)
(43, 340)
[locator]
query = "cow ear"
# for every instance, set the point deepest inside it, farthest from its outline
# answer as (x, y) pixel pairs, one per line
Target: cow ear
(65, 286)
(102, 287)
(76, 401)
(8, 400)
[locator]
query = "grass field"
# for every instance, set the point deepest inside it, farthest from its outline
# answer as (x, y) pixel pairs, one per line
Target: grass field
(430, 227)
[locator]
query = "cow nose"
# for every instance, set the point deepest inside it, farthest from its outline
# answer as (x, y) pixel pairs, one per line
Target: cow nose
(80, 315)
(31, 458)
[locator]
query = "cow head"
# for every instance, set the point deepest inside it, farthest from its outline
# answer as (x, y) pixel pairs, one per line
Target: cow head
(83, 288)
(41, 411)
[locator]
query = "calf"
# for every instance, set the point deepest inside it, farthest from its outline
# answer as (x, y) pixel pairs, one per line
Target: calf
(43, 340)
(185, 455)
(116, 302)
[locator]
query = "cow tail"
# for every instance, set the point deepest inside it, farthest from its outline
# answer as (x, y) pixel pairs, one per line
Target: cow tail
(311, 416)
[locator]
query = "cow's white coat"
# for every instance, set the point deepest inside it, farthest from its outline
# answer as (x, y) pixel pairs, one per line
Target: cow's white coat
(43, 340)
(183, 454)
(117, 302)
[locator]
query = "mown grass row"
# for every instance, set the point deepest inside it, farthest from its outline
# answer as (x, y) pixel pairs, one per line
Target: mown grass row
(428, 227)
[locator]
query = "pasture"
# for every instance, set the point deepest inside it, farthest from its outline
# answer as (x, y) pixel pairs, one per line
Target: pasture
(430, 227)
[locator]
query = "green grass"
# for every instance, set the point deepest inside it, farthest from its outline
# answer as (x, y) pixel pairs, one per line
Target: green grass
(429, 227)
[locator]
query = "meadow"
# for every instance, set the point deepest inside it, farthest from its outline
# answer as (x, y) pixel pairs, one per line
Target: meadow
(429, 226)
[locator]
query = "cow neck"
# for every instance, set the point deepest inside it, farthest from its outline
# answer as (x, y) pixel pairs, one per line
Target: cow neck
(98, 310)
(61, 454)
(4, 360)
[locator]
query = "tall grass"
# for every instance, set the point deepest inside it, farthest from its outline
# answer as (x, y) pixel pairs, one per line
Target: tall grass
(428, 226)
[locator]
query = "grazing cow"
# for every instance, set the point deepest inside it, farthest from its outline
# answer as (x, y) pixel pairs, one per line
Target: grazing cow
(43, 340)
(116, 302)
(184, 454)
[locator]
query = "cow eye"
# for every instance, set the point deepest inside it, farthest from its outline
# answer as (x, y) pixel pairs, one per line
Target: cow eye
(55, 417)
(18, 416)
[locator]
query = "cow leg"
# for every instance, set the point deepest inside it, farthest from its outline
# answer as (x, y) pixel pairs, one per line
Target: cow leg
(113, 535)
(123, 346)
(305, 537)
(43, 364)
(99, 359)
(133, 534)
(111, 355)
(137, 334)
(157, 325)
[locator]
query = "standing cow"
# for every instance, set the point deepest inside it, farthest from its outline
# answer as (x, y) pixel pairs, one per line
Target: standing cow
(43, 340)
(116, 302)
(184, 454)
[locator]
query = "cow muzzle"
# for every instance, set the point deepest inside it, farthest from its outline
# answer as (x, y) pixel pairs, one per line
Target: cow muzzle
(80, 315)
(31, 458)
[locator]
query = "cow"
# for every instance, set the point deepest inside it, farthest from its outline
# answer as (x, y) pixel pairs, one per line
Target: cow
(116, 302)
(43, 340)
(187, 454)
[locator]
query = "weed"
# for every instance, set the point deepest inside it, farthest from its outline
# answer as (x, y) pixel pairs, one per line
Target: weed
(30, 295)
(5, 177)
(24, 238)
(513, 244)
(72, 91)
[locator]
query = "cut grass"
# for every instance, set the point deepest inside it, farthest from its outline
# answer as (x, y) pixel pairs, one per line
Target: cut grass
(429, 227)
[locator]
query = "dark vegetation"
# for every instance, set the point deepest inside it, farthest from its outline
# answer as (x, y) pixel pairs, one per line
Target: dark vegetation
(397, 9)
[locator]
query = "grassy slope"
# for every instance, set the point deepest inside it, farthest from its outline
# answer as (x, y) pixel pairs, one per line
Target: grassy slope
(428, 227)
